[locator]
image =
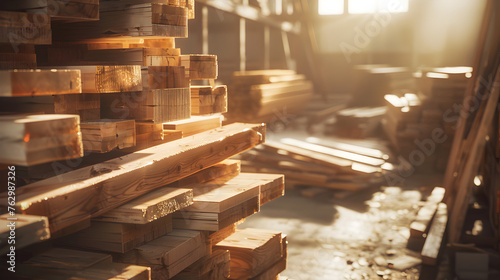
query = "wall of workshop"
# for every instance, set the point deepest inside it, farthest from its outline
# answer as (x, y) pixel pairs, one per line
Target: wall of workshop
(431, 33)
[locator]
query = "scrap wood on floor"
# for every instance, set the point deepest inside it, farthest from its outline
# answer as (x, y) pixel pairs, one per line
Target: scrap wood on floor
(315, 162)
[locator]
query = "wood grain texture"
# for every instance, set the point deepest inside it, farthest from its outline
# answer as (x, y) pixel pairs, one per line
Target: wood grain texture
(214, 267)
(28, 230)
(194, 125)
(34, 139)
(39, 82)
(128, 18)
(94, 190)
(252, 251)
(151, 206)
(117, 237)
(169, 254)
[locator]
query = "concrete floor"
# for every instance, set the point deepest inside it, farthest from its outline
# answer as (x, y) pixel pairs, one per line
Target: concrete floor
(362, 236)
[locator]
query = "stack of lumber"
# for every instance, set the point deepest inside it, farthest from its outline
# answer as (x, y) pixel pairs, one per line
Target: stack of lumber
(421, 125)
(60, 263)
(157, 207)
(261, 95)
(67, 10)
(373, 81)
(162, 212)
(105, 135)
(255, 253)
(129, 18)
(319, 162)
(357, 122)
(206, 100)
(35, 139)
(86, 105)
(193, 125)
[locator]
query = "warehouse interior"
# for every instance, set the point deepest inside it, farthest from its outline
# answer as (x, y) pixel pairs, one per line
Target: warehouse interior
(250, 139)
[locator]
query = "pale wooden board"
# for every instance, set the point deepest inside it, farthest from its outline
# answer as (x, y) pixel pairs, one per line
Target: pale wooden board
(109, 78)
(151, 206)
(216, 221)
(424, 216)
(252, 251)
(435, 237)
(194, 125)
(117, 237)
(226, 192)
(274, 270)
(166, 250)
(39, 82)
(35, 139)
(29, 229)
(119, 18)
(91, 191)
(99, 271)
(211, 267)
(62, 258)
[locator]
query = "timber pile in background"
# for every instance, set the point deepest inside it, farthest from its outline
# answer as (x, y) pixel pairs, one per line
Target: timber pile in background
(421, 125)
(262, 95)
(324, 163)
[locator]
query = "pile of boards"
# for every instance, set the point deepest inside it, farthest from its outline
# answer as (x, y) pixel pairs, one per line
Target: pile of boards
(260, 95)
(123, 85)
(143, 187)
(325, 163)
(421, 125)
(357, 122)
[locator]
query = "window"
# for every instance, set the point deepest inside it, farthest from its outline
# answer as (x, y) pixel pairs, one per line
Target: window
(330, 7)
(336, 7)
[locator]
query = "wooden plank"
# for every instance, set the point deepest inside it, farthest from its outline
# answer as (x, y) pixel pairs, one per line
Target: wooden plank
(160, 77)
(128, 18)
(334, 152)
(97, 271)
(158, 106)
(105, 135)
(194, 125)
(22, 28)
(252, 251)
(218, 236)
(57, 9)
(39, 82)
(208, 100)
(472, 162)
(200, 66)
(109, 78)
(305, 154)
(117, 237)
(229, 167)
(274, 270)
(435, 238)
(214, 267)
(91, 191)
(424, 216)
(216, 221)
(370, 152)
(35, 139)
(149, 207)
(62, 258)
(169, 254)
(224, 193)
(28, 230)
